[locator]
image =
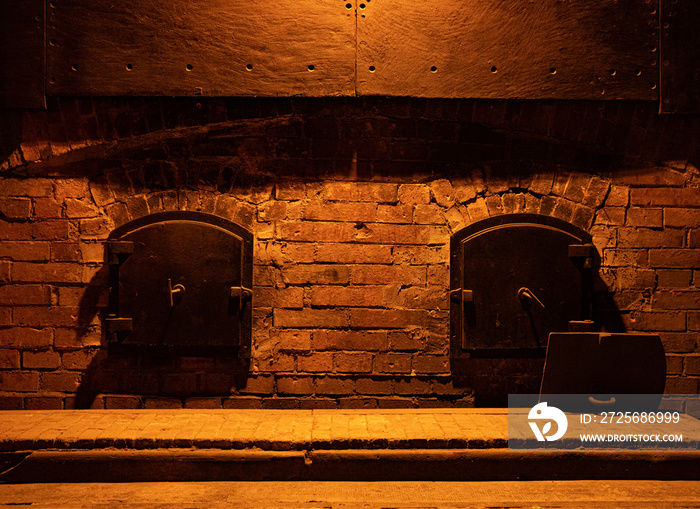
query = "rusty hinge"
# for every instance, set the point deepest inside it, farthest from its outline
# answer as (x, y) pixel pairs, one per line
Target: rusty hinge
(460, 295)
(118, 250)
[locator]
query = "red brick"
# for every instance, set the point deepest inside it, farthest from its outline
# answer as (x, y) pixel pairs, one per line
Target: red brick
(60, 382)
(5, 317)
(681, 218)
(9, 359)
(243, 402)
(259, 384)
(47, 208)
(290, 190)
(334, 386)
(41, 360)
(317, 362)
(318, 403)
(678, 385)
(292, 297)
(51, 230)
(19, 381)
(651, 321)
(343, 212)
(46, 316)
(387, 318)
(301, 252)
(411, 385)
(428, 214)
(203, 403)
(15, 231)
(694, 239)
(294, 340)
(25, 251)
(16, 208)
(44, 403)
(122, 402)
(383, 274)
(365, 296)
(693, 320)
(34, 187)
(431, 363)
(642, 237)
(674, 278)
(272, 211)
(11, 403)
(349, 340)
(78, 360)
(395, 214)
(98, 226)
(625, 257)
(681, 258)
(22, 337)
(162, 403)
(5, 272)
(360, 191)
(647, 217)
(72, 188)
(359, 402)
(610, 216)
(368, 386)
(279, 363)
(353, 253)
(680, 342)
(295, 385)
(676, 300)
(665, 197)
(356, 362)
(47, 272)
(317, 274)
(619, 196)
(79, 209)
(692, 365)
(392, 363)
(406, 340)
(674, 364)
(25, 295)
(412, 194)
(65, 251)
(280, 403)
(309, 318)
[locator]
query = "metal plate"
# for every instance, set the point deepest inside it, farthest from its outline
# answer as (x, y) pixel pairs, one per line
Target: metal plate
(176, 285)
(524, 284)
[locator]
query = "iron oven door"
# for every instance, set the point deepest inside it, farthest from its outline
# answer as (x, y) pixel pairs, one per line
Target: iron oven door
(515, 282)
(187, 282)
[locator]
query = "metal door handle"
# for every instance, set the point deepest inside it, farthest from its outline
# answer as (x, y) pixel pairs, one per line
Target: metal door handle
(176, 292)
(526, 297)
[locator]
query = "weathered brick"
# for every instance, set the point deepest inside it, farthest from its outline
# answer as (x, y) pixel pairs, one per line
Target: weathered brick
(647, 217)
(295, 385)
(619, 196)
(97, 226)
(47, 208)
(309, 318)
(44, 403)
(34, 187)
(15, 231)
(681, 385)
(681, 218)
(203, 403)
(412, 194)
(300, 231)
(24, 337)
(644, 237)
(693, 320)
(412, 385)
(355, 253)
(122, 402)
(669, 278)
(16, 208)
(51, 229)
(162, 403)
(25, 295)
(41, 360)
(5, 272)
(19, 381)
(677, 300)
(259, 384)
(341, 211)
(374, 386)
(243, 402)
(294, 340)
(674, 364)
(365, 296)
(78, 360)
(428, 214)
(610, 216)
(382, 274)
(655, 321)
(72, 188)
(80, 209)
(671, 258)
(290, 190)
(46, 316)
(292, 297)
(25, 251)
(625, 257)
(692, 365)
(317, 362)
(360, 191)
(334, 386)
(9, 359)
(272, 211)
(392, 363)
(349, 340)
(28, 272)
(352, 362)
(430, 363)
(665, 197)
(395, 213)
(65, 251)
(387, 318)
(11, 403)
(317, 274)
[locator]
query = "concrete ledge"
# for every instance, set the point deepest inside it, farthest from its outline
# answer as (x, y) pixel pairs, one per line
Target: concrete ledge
(116, 465)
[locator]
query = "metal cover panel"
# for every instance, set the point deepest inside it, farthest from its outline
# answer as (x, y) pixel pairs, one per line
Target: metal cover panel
(176, 285)
(523, 282)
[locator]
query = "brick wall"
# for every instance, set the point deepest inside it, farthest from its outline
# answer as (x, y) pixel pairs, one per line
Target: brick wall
(352, 203)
